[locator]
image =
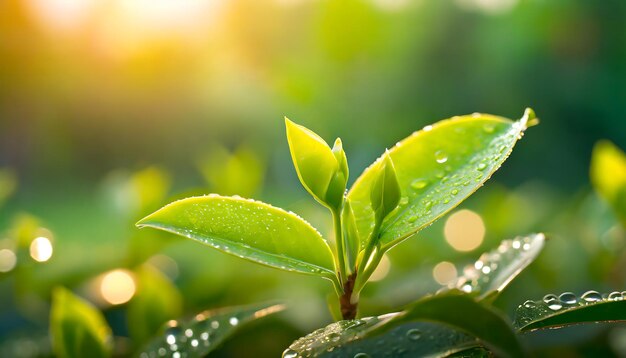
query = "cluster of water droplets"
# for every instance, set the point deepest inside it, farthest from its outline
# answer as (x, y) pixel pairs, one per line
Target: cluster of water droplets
(351, 339)
(495, 269)
(531, 311)
(199, 336)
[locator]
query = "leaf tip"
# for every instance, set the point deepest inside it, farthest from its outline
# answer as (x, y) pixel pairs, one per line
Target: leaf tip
(529, 119)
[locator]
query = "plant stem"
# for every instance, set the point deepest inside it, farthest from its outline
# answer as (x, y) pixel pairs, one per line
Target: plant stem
(348, 307)
(341, 262)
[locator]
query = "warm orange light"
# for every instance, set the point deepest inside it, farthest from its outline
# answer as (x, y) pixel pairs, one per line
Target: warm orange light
(444, 272)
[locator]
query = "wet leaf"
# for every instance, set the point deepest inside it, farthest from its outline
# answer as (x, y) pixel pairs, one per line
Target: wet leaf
(463, 312)
(494, 270)
(156, 301)
(77, 328)
(206, 331)
(437, 168)
(248, 229)
(349, 339)
(568, 309)
(608, 176)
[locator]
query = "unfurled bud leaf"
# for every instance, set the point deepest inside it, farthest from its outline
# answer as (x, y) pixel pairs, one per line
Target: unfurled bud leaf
(337, 185)
(316, 164)
(351, 235)
(385, 194)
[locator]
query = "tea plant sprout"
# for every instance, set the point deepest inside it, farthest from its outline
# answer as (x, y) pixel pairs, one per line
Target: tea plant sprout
(411, 185)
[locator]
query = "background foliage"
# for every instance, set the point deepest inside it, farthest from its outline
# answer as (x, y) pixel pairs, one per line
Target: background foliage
(108, 110)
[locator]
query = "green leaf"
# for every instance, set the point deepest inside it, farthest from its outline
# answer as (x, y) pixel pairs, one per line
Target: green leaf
(608, 176)
(350, 339)
(337, 185)
(206, 331)
(567, 309)
(248, 229)
(494, 270)
(385, 191)
(77, 328)
(437, 168)
(315, 162)
(156, 301)
(462, 312)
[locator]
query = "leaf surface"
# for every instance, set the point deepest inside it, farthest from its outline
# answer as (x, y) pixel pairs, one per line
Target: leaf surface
(495, 269)
(568, 309)
(248, 229)
(437, 168)
(206, 331)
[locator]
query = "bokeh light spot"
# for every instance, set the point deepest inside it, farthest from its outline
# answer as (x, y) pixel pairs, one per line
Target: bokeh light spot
(444, 272)
(41, 249)
(117, 287)
(381, 270)
(7, 260)
(464, 230)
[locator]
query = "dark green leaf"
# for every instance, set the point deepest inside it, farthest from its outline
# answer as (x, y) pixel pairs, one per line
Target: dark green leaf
(567, 309)
(348, 339)
(462, 312)
(206, 331)
(248, 229)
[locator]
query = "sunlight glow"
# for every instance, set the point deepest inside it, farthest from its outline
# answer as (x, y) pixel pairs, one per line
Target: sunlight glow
(41, 249)
(444, 272)
(464, 230)
(490, 7)
(117, 287)
(62, 14)
(382, 270)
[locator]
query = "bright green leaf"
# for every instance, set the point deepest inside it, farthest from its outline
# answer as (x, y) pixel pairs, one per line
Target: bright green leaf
(462, 312)
(608, 176)
(77, 328)
(437, 168)
(385, 190)
(349, 339)
(206, 331)
(313, 159)
(156, 301)
(248, 229)
(567, 309)
(495, 269)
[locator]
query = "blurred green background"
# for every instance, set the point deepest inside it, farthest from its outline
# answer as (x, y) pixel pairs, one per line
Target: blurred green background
(110, 109)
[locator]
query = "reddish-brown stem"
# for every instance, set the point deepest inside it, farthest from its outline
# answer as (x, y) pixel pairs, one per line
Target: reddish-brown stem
(348, 309)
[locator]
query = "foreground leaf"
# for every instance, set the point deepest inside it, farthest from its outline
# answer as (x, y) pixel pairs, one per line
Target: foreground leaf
(437, 168)
(248, 229)
(348, 339)
(608, 176)
(206, 331)
(494, 270)
(157, 301)
(462, 312)
(567, 309)
(77, 328)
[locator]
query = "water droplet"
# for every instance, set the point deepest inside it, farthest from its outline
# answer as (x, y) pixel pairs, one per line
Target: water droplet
(454, 191)
(419, 183)
(188, 332)
(530, 304)
(233, 321)
(215, 324)
(568, 298)
(481, 166)
(412, 218)
(403, 200)
(441, 157)
(591, 296)
(428, 128)
(414, 334)
(428, 205)
(486, 270)
(615, 296)
(361, 355)
(488, 128)
(290, 353)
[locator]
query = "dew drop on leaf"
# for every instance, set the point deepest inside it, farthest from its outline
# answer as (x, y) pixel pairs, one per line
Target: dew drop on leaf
(441, 157)
(419, 183)
(414, 334)
(568, 298)
(591, 296)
